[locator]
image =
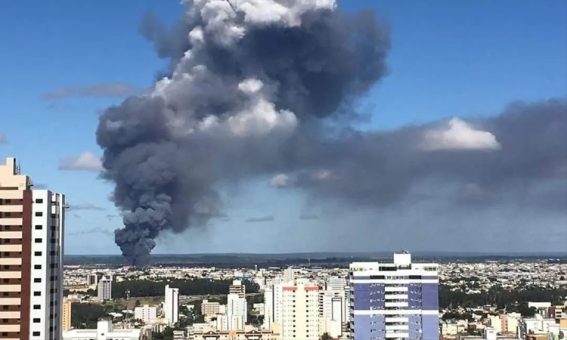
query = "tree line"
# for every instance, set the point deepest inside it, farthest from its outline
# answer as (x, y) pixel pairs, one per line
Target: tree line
(500, 297)
(194, 286)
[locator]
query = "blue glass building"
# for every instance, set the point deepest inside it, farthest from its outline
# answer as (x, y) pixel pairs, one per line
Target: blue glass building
(396, 300)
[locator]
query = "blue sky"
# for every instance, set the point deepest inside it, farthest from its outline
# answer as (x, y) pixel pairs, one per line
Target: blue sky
(448, 58)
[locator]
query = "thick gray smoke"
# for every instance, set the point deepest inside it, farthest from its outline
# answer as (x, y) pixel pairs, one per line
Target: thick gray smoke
(267, 87)
(248, 81)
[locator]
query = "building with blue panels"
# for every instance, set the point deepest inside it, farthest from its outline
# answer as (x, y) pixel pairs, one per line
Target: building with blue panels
(396, 300)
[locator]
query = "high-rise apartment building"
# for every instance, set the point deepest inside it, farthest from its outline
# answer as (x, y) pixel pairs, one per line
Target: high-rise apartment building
(236, 306)
(396, 300)
(273, 296)
(31, 253)
(104, 289)
(300, 311)
(171, 305)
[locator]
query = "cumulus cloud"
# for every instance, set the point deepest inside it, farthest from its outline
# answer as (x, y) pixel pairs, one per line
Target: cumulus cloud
(280, 181)
(458, 135)
(119, 90)
(86, 161)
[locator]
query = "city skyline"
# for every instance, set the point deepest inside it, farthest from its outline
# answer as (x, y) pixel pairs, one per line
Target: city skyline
(449, 85)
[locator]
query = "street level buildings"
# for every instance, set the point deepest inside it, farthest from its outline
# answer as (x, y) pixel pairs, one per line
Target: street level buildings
(31, 249)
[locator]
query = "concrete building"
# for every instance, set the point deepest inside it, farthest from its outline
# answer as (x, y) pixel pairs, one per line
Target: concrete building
(233, 335)
(237, 288)
(396, 300)
(171, 305)
(236, 307)
(66, 317)
(210, 308)
(273, 297)
(146, 313)
(31, 249)
(300, 311)
(104, 289)
(103, 331)
(333, 307)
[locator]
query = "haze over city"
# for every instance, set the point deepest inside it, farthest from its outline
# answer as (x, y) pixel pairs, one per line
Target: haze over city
(452, 127)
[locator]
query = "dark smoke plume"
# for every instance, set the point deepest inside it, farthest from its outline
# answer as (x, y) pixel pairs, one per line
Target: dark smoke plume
(248, 83)
(267, 88)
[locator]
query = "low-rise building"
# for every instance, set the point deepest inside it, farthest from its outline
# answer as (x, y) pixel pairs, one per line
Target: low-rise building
(104, 331)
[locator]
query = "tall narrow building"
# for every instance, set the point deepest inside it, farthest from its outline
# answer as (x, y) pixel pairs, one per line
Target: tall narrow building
(31, 249)
(396, 300)
(236, 306)
(171, 305)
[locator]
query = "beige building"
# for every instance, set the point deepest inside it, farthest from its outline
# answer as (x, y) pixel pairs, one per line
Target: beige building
(66, 317)
(210, 308)
(300, 311)
(31, 251)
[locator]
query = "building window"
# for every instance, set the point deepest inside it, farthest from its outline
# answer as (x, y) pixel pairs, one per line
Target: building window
(35, 333)
(36, 320)
(37, 240)
(36, 307)
(37, 253)
(38, 227)
(38, 213)
(39, 200)
(37, 266)
(36, 293)
(37, 280)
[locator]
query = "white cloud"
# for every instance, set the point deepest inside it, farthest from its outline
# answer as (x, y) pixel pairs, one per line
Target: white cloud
(260, 119)
(250, 85)
(458, 135)
(86, 161)
(3, 139)
(280, 181)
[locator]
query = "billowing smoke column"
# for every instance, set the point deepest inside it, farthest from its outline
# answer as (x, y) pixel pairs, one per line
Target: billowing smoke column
(268, 88)
(249, 86)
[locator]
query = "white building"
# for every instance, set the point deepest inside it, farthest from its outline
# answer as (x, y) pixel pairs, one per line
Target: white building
(331, 313)
(104, 289)
(236, 311)
(300, 311)
(171, 305)
(146, 313)
(273, 297)
(103, 331)
(31, 247)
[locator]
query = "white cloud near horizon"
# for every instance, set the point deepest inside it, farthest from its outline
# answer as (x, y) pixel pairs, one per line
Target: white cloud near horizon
(86, 161)
(3, 138)
(457, 134)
